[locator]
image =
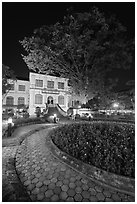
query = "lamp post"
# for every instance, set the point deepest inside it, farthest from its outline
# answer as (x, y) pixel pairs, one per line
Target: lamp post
(9, 126)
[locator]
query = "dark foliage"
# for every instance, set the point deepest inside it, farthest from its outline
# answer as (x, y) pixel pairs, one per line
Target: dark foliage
(109, 146)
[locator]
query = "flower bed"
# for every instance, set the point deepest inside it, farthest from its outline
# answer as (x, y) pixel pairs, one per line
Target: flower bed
(109, 146)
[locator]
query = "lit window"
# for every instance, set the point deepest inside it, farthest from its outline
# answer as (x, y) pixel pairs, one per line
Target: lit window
(50, 84)
(9, 100)
(38, 99)
(21, 88)
(61, 100)
(60, 85)
(21, 100)
(39, 83)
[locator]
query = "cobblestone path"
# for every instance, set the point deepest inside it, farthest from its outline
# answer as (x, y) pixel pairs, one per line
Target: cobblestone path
(46, 178)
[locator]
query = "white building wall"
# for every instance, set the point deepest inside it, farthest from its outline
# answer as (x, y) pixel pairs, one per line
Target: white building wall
(16, 93)
(46, 92)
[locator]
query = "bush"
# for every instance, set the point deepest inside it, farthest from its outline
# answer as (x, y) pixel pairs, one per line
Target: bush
(23, 121)
(108, 146)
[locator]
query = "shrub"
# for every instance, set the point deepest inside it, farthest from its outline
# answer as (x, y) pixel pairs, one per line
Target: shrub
(109, 146)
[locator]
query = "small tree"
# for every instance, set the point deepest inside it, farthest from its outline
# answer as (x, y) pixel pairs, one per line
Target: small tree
(7, 74)
(85, 48)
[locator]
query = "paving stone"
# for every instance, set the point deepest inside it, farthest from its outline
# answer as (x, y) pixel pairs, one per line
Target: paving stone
(64, 188)
(71, 192)
(43, 188)
(78, 183)
(40, 196)
(78, 189)
(35, 191)
(98, 189)
(49, 176)
(57, 190)
(92, 191)
(35, 180)
(78, 177)
(107, 193)
(115, 197)
(39, 184)
(85, 194)
(37, 168)
(93, 199)
(30, 187)
(65, 181)
(59, 183)
(55, 175)
(38, 175)
(61, 178)
(26, 183)
(100, 196)
(78, 197)
(85, 187)
(72, 179)
(47, 182)
(55, 198)
(63, 195)
(67, 176)
(51, 186)
(54, 180)
(72, 185)
(42, 179)
(70, 199)
(109, 200)
(84, 181)
(85, 200)
(63, 168)
(33, 197)
(48, 193)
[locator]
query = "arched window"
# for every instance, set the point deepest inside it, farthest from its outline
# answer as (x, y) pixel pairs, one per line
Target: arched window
(21, 100)
(61, 100)
(9, 100)
(38, 99)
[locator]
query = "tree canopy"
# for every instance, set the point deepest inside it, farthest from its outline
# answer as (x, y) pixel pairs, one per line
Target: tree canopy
(85, 48)
(7, 74)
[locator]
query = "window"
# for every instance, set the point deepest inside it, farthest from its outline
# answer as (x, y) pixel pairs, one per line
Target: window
(12, 87)
(50, 84)
(38, 99)
(9, 100)
(61, 100)
(39, 83)
(21, 100)
(60, 85)
(21, 88)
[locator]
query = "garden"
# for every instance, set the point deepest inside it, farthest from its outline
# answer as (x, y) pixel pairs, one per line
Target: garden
(109, 146)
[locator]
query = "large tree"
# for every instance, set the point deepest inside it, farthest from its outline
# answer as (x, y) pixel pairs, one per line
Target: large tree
(85, 48)
(7, 74)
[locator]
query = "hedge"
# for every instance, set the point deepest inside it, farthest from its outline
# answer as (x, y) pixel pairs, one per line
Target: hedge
(109, 146)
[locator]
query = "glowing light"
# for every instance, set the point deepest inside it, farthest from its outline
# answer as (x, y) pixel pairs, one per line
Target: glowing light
(9, 120)
(115, 105)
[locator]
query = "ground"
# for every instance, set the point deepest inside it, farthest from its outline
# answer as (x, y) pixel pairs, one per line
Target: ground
(31, 172)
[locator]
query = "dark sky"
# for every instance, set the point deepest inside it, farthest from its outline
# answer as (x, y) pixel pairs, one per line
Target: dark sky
(19, 19)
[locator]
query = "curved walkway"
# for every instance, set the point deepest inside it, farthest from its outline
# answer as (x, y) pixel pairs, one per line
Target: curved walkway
(46, 178)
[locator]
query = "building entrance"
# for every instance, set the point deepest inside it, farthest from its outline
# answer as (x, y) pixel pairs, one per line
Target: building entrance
(50, 100)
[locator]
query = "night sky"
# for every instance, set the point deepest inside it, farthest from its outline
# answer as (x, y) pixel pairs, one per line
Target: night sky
(19, 19)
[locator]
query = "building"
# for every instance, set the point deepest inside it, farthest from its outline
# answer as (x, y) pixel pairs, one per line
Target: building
(41, 90)
(18, 95)
(48, 90)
